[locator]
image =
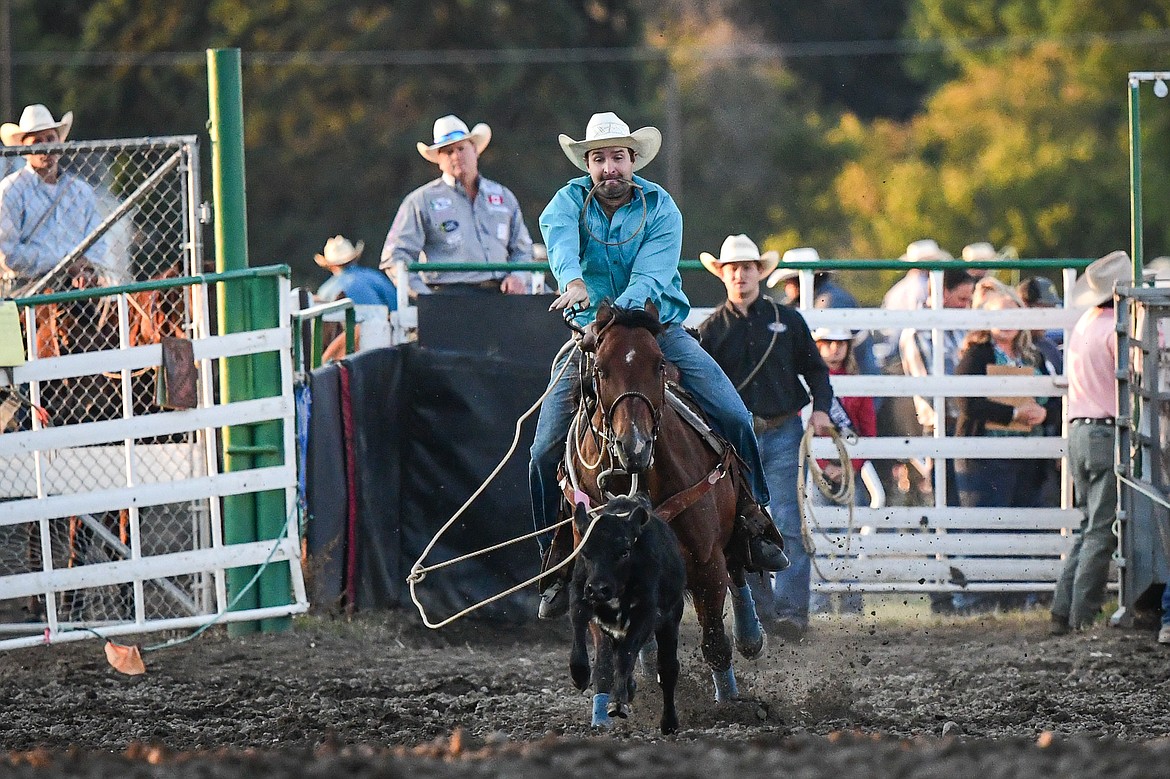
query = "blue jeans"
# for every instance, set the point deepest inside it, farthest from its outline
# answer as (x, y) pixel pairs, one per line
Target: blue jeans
(699, 374)
(780, 451)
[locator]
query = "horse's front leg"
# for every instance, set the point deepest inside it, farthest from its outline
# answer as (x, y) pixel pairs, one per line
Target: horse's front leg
(709, 589)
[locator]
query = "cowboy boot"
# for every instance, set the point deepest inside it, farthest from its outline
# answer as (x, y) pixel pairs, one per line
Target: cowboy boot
(554, 586)
(765, 551)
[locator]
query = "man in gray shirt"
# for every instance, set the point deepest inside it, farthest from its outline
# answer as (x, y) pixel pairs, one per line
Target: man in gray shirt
(459, 217)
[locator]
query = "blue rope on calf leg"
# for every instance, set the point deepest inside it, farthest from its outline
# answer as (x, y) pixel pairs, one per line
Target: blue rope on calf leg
(600, 715)
(725, 687)
(749, 633)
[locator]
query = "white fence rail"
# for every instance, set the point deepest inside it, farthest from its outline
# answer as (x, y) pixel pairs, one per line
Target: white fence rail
(939, 548)
(113, 524)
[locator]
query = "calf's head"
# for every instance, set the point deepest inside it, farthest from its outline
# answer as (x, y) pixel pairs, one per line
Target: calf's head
(607, 555)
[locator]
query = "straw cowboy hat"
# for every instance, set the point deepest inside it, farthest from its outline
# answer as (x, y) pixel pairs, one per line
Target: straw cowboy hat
(1095, 285)
(924, 251)
(832, 334)
(740, 248)
(451, 129)
(803, 254)
(606, 129)
(981, 250)
(34, 119)
(339, 251)
(1157, 270)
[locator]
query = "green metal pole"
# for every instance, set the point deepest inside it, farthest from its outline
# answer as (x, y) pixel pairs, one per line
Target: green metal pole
(275, 584)
(1135, 178)
(226, 127)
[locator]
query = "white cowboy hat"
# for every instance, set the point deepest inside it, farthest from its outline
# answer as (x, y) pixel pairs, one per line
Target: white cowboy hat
(606, 129)
(832, 334)
(925, 250)
(451, 129)
(34, 119)
(1095, 285)
(981, 250)
(1157, 270)
(739, 248)
(802, 254)
(339, 251)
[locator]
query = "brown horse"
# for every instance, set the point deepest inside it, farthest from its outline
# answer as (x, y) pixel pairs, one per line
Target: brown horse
(636, 433)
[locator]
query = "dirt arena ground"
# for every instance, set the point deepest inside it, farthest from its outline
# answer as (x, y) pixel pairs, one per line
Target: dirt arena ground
(382, 696)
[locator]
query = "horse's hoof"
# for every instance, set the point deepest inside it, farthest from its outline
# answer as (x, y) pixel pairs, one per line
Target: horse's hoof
(750, 650)
(616, 709)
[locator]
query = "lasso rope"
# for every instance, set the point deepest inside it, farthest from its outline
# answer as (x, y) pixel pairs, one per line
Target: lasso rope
(418, 571)
(585, 220)
(842, 494)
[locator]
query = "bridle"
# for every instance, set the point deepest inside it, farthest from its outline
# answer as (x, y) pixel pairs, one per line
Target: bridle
(607, 435)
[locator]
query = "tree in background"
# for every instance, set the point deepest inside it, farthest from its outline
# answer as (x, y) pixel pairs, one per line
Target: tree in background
(330, 141)
(856, 78)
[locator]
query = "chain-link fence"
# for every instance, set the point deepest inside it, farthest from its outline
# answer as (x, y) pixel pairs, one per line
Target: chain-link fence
(88, 213)
(83, 215)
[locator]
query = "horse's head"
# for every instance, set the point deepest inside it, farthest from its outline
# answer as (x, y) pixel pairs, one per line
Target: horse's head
(630, 378)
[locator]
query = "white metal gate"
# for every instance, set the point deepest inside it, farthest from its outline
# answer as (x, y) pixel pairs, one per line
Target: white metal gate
(942, 548)
(112, 522)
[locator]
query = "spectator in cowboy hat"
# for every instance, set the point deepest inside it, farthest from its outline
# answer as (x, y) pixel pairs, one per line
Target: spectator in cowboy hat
(827, 293)
(765, 349)
(45, 212)
(364, 286)
(980, 251)
(1091, 365)
(459, 217)
(912, 290)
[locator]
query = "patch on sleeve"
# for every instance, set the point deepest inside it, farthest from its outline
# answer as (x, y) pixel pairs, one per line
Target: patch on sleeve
(495, 200)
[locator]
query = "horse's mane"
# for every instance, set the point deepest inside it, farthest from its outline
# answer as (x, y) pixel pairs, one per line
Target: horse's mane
(637, 317)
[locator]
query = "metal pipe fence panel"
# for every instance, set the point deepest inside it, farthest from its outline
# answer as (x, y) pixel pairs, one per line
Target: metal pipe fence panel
(109, 498)
(1143, 440)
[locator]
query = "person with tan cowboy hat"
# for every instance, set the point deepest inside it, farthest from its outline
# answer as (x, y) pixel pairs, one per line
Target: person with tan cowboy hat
(612, 234)
(912, 290)
(44, 212)
(764, 348)
(461, 216)
(1091, 365)
(827, 293)
(364, 286)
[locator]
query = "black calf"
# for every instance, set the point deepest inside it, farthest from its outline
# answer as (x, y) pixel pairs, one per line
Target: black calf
(628, 581)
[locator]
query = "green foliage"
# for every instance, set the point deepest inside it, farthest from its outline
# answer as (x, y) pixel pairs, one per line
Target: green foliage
(1021, 145)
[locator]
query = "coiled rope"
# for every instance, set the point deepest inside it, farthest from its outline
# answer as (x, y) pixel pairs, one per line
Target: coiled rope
(842, 494)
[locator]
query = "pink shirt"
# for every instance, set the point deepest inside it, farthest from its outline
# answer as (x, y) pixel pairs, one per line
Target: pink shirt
(1091, 364)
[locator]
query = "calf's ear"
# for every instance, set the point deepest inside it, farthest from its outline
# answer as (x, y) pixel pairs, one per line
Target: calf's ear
(581, 518)
(640, 516)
